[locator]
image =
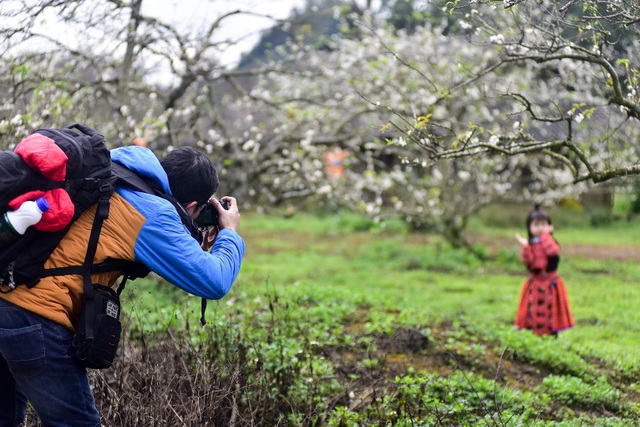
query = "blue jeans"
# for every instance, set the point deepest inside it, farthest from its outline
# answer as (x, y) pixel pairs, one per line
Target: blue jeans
(37, 366)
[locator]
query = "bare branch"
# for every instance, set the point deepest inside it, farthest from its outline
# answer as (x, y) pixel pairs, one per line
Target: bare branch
(606, 175)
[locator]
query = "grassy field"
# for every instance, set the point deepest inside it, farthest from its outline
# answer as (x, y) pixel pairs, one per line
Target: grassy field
(337, 321)
(423, 279)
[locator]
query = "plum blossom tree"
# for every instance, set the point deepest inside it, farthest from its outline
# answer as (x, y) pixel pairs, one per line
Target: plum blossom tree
(583, 57)
(114, 67)
(482, 103)
(389, 98)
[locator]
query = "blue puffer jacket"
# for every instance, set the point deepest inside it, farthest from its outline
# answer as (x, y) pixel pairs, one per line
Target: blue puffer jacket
(165, 245)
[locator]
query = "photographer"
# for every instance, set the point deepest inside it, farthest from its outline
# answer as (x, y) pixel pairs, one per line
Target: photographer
(37, 325)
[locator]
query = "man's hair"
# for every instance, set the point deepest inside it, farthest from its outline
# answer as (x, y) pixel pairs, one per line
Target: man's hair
(192, 175)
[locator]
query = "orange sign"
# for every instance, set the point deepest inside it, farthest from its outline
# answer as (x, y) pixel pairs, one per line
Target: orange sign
(334, 160)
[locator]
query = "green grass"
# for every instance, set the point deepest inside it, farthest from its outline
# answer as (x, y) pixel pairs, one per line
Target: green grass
(435, 281)
(350, 285)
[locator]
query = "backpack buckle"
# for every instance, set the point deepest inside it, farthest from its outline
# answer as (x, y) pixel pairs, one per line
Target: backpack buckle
(103, 202)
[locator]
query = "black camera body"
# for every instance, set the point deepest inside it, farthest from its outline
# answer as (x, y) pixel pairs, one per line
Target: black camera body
(209, 216)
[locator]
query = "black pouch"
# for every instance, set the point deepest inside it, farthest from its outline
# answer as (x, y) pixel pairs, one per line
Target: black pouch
(98, 330)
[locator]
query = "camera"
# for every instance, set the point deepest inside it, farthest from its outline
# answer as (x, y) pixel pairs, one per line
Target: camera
(209, 216)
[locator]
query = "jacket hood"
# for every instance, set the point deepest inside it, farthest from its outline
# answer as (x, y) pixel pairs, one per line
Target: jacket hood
(142, 161)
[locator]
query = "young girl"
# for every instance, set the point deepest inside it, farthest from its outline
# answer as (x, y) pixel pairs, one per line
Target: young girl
(544, 304)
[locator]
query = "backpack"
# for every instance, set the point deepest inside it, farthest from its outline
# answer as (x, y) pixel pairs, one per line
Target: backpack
(90, 178)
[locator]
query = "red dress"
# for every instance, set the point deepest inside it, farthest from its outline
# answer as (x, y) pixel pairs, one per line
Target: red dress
(544, 303)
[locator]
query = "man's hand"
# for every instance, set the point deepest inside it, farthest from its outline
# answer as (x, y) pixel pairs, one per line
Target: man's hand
(228, 218)
(208, 238)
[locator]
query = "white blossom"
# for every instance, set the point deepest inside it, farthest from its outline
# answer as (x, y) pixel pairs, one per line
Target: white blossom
(464, 24)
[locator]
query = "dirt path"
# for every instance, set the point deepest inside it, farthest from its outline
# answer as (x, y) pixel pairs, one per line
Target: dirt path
(619, 253)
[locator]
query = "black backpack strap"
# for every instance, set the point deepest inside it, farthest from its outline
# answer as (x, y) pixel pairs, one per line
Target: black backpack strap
(102, 212)
(131, 269)
(63, 271)
(132, 180)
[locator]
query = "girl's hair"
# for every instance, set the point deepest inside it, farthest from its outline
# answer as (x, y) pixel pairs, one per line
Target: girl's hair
(537, 214)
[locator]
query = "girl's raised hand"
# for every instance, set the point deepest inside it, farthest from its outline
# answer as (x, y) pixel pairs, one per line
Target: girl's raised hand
(521, 240)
